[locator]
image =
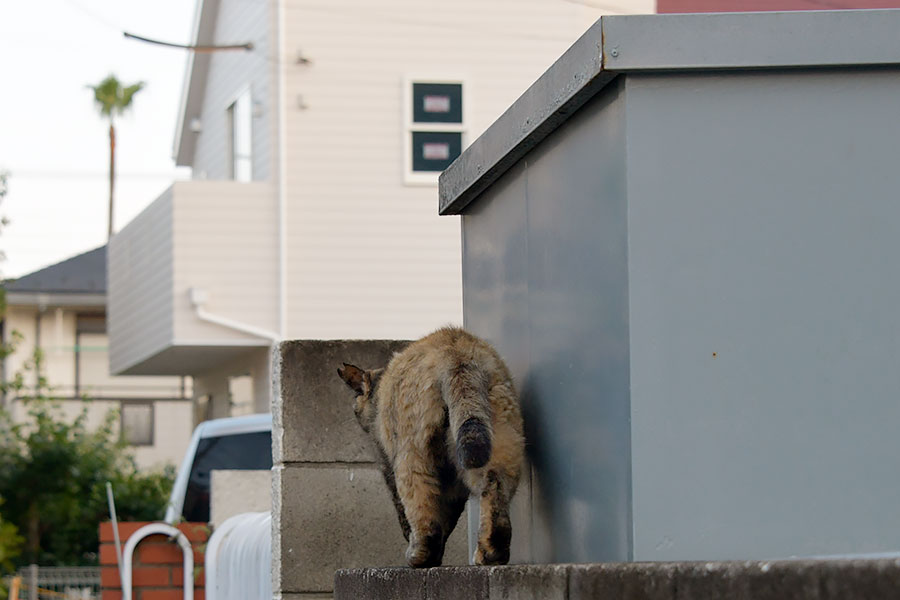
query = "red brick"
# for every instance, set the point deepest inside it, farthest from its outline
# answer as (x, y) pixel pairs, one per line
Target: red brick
(150, 576)
(108, 555)
(158, 539)
(166, 553)
(178, 573)
(195, 532)
(125, 530)
(109, 577)
(172, 594)
(110, 595)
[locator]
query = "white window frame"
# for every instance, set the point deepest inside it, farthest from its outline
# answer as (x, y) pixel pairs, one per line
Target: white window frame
(149, 403)
(230, 121)
(430, 179)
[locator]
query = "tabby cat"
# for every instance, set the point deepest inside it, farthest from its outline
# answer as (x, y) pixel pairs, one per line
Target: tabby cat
(446, 420)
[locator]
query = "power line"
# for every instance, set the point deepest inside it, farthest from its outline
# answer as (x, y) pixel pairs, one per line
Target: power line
(204, 49)
(101, 19)
(62, 174)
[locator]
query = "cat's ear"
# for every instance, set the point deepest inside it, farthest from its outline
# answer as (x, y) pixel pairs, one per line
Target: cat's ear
(373, 376)
(353, 376)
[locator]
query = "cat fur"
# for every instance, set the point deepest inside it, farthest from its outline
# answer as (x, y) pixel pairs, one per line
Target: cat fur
(445, 419)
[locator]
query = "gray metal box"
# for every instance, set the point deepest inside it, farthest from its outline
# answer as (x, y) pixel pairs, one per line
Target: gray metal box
(684, 239)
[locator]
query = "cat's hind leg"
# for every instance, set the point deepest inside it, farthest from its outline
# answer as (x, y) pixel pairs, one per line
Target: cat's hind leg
(495, 484)
(419, 492)
(495, 529)
(426, 484)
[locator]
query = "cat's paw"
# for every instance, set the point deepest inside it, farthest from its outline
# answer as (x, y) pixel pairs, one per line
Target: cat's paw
(491, 556)
(494, 549)
(426, 550)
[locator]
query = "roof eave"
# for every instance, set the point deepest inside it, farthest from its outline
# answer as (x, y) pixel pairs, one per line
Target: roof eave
(43, 300)
(194, 86)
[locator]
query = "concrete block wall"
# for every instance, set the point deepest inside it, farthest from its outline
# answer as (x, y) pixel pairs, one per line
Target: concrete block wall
(235, 492)
(158, 563)
(777, 580)
(330, 506)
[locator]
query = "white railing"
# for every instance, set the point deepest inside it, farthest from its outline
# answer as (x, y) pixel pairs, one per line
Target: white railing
(67, 583)
(239, 559)
(186, 550)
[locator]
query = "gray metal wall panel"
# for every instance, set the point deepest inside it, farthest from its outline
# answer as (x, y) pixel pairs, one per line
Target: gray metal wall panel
(495, 286)
(756, 40)
(545, 278)
(765, 331)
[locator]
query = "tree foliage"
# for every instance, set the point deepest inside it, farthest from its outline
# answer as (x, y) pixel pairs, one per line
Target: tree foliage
(113, 98)
(53, 474)
(10, 543)
(10, 540)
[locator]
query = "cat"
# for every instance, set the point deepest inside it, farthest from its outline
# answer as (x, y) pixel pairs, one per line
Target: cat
(445, 419)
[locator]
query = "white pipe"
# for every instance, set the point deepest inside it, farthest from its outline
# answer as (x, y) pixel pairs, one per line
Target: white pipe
(186, 551)
(115, 526)
(239, 559)
(211, 556)
(236, 325)
(199, 297)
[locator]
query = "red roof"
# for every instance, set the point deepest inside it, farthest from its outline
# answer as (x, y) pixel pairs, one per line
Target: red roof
(696, 6)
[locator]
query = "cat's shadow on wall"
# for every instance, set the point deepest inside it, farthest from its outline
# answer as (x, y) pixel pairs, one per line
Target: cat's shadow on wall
(580, 480)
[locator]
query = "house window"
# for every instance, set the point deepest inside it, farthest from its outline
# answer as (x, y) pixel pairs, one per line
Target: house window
(435, 127)
(137, 423)
(240, 141)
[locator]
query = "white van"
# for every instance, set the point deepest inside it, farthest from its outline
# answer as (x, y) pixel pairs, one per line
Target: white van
(235, 443)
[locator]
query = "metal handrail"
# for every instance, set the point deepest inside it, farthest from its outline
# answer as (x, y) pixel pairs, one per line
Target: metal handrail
(152, 529)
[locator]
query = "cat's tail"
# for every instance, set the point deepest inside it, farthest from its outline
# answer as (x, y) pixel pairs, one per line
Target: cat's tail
(465, 390)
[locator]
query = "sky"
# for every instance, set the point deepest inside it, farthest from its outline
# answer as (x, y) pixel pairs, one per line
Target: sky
(53, 142)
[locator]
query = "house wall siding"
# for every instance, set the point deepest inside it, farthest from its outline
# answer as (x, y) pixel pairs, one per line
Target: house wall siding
(60, 346)
(368, 255)
(140, 275)
(172, 417)
(226, 244)
(57, 333)
(238, 22)
(172, 426)
(97, 381)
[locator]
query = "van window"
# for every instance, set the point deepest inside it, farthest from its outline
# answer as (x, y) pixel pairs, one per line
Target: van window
(243, 451)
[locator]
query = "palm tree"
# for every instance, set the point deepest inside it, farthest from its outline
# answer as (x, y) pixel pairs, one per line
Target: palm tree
(111, 99)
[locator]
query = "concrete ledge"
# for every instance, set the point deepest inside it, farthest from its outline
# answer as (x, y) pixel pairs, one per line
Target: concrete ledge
(776, 580)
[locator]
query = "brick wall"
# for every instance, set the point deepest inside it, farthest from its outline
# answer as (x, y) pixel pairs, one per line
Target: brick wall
(157, 571)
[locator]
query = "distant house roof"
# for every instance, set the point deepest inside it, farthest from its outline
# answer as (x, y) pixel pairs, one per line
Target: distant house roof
(77, 280)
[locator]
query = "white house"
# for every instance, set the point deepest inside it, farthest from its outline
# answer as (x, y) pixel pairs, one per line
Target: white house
(61, 310)
(312, 212)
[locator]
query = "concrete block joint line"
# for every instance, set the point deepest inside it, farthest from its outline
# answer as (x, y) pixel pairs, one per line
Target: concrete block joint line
(329, 494)
(829, 579)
